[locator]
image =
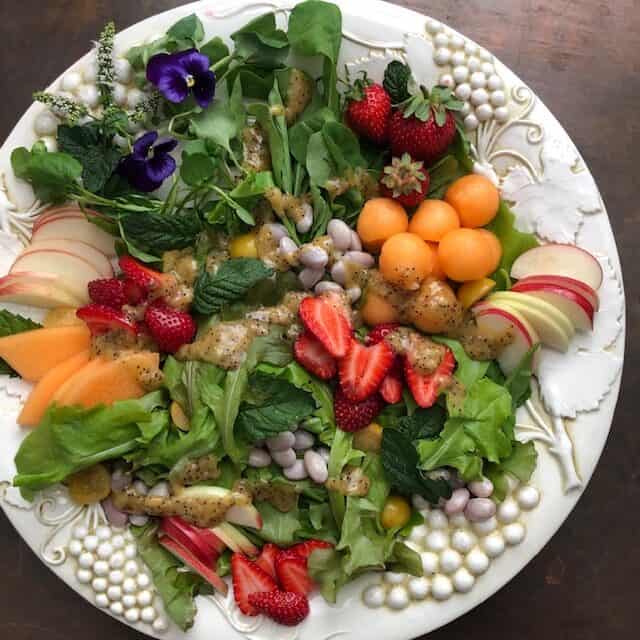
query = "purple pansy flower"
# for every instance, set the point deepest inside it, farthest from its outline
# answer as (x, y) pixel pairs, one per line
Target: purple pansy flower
(178, 74)
(148, 166)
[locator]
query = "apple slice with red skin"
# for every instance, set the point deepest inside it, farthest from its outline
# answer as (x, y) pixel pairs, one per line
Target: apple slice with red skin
(194, 563)
(87, 252)
(44, 290)
(65, 210)
(73, 227)
(576, 286)
(495, 320)
(198, 541)
(575, 306)
(75, 272)
(235, 540)
(559, 260)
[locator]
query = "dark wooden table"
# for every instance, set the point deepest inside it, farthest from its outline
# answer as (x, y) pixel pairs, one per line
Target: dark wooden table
(583, 58)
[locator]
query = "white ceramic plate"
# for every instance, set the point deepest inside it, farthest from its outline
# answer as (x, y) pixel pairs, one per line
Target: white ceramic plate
(519, 143)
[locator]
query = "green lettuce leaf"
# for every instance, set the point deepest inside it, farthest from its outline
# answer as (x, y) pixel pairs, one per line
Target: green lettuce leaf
(468, 370)
(520, 464)
(277, 527)
(176, 587)
(70, 438)
(10, 324)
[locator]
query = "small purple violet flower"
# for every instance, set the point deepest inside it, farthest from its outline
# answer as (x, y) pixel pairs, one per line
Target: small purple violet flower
(177, 74)
(148, 166)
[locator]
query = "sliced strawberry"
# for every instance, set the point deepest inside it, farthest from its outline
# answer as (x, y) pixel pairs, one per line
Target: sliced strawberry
(305, 549)
(249, 578)
(327, 319)
(391, 387)
(353, 416)
(426, 388)
(107, 291)
(284, 607)
(133, 292)
(292, 573)
(169, 327)
(267, 559)
(363, 369)
(100, 319)
(380, 332)
(147, 279)
(312, 355)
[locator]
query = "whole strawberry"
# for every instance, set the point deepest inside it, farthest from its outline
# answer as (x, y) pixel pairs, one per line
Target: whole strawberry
(108, 291)
(353, 416)
(405, 181)
(424, 127)
(285, 608)
(368, 110)
(169, 327)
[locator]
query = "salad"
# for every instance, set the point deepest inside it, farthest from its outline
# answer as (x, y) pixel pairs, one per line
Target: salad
(283, 313)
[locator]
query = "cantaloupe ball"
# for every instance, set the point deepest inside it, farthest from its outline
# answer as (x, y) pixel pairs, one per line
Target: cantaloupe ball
(378, 310)
(433, 220)
(406, 260)
(494, 243)
(380, 219)
(437, 271)
(467, 254)
(475, 198)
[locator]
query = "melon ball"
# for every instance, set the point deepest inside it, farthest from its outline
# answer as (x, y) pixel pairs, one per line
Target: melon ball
(475, 198)
(380, 219)
(406, 260)
(467, 254)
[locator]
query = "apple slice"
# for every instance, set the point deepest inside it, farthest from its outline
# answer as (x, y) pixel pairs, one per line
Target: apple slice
(87, 252)
(575, 306)
(56, 213)
(75, 272)
(553, 327)
(190, 538)
(559, 260)
(235, 539)
(71, 227)
(207, 573)
(43, 290)
(497, 320)
(566, 283)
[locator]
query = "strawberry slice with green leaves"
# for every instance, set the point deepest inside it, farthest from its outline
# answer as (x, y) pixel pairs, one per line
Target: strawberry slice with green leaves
(305, 549)
(248, 578)
(139, 274)
(292, 573)
(426, 388)
(312, 355)
(267, 559)
(363, 369)
(327, 319)
(100, 319)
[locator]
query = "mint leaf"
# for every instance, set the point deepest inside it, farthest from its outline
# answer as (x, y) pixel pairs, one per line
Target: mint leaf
(230, 282)
(397, 76)
(155, 233)
(400, 462)
(423, 423)
(275, 405)
(10, 324)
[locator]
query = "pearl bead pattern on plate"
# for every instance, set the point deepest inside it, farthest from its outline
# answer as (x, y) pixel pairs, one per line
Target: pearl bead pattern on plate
(501, 114)
(117, 608)
(441, 587)
(418, 533)
(430, 562)
(148, 614)
(123, 70)
(485, 527)
(457, 59)
(442, 56)
(441, 40)
(160, 625)
(450, 561)
(132, 615)
(477, 562)
(397, 598)
(46, 124)
(393, 578)
(437, 520)
(463, 541)
(487, 67)
(458, 520)
(478, 80)
(528, 497)
(471, 122)
(433, 26)
(456, 41)
(446, 80)
(89, 95)
(101, 568)
(374, 596)
(143, 580)
(418, 588)
(84, 576)
(102, 600)
(463, 91)
(91, 543)
(437, 540)
(75, 548)
(494, 544)
(508, 511)
(129, 600)
(514, 533)
(473, 64)
(99, 584)
(463, 581)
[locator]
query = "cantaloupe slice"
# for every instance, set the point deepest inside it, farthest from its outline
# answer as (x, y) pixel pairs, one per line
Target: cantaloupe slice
(34, 353)
(40, 398)
(76, 379)
(108, 381)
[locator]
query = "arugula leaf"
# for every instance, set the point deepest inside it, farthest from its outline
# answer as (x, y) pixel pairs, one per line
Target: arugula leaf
(71, 438)
(315, 28)
(227, 406)
(277, 527)
(231, 282)
(155, 233)
(521, 464)
(468, 370)
(10, 324)
(99, 158)
(176, 587)
(397, 77)
(342, 454)
(275, 405)
(519, 381)
(52, 175)
(400, 461)
(189, 29)
(513, 242)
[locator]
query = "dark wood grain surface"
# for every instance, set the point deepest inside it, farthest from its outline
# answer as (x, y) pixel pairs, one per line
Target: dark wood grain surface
(583, 58)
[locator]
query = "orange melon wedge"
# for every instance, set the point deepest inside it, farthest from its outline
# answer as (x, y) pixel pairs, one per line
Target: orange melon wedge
(106, 381)
(34, 353)
(40, 398)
